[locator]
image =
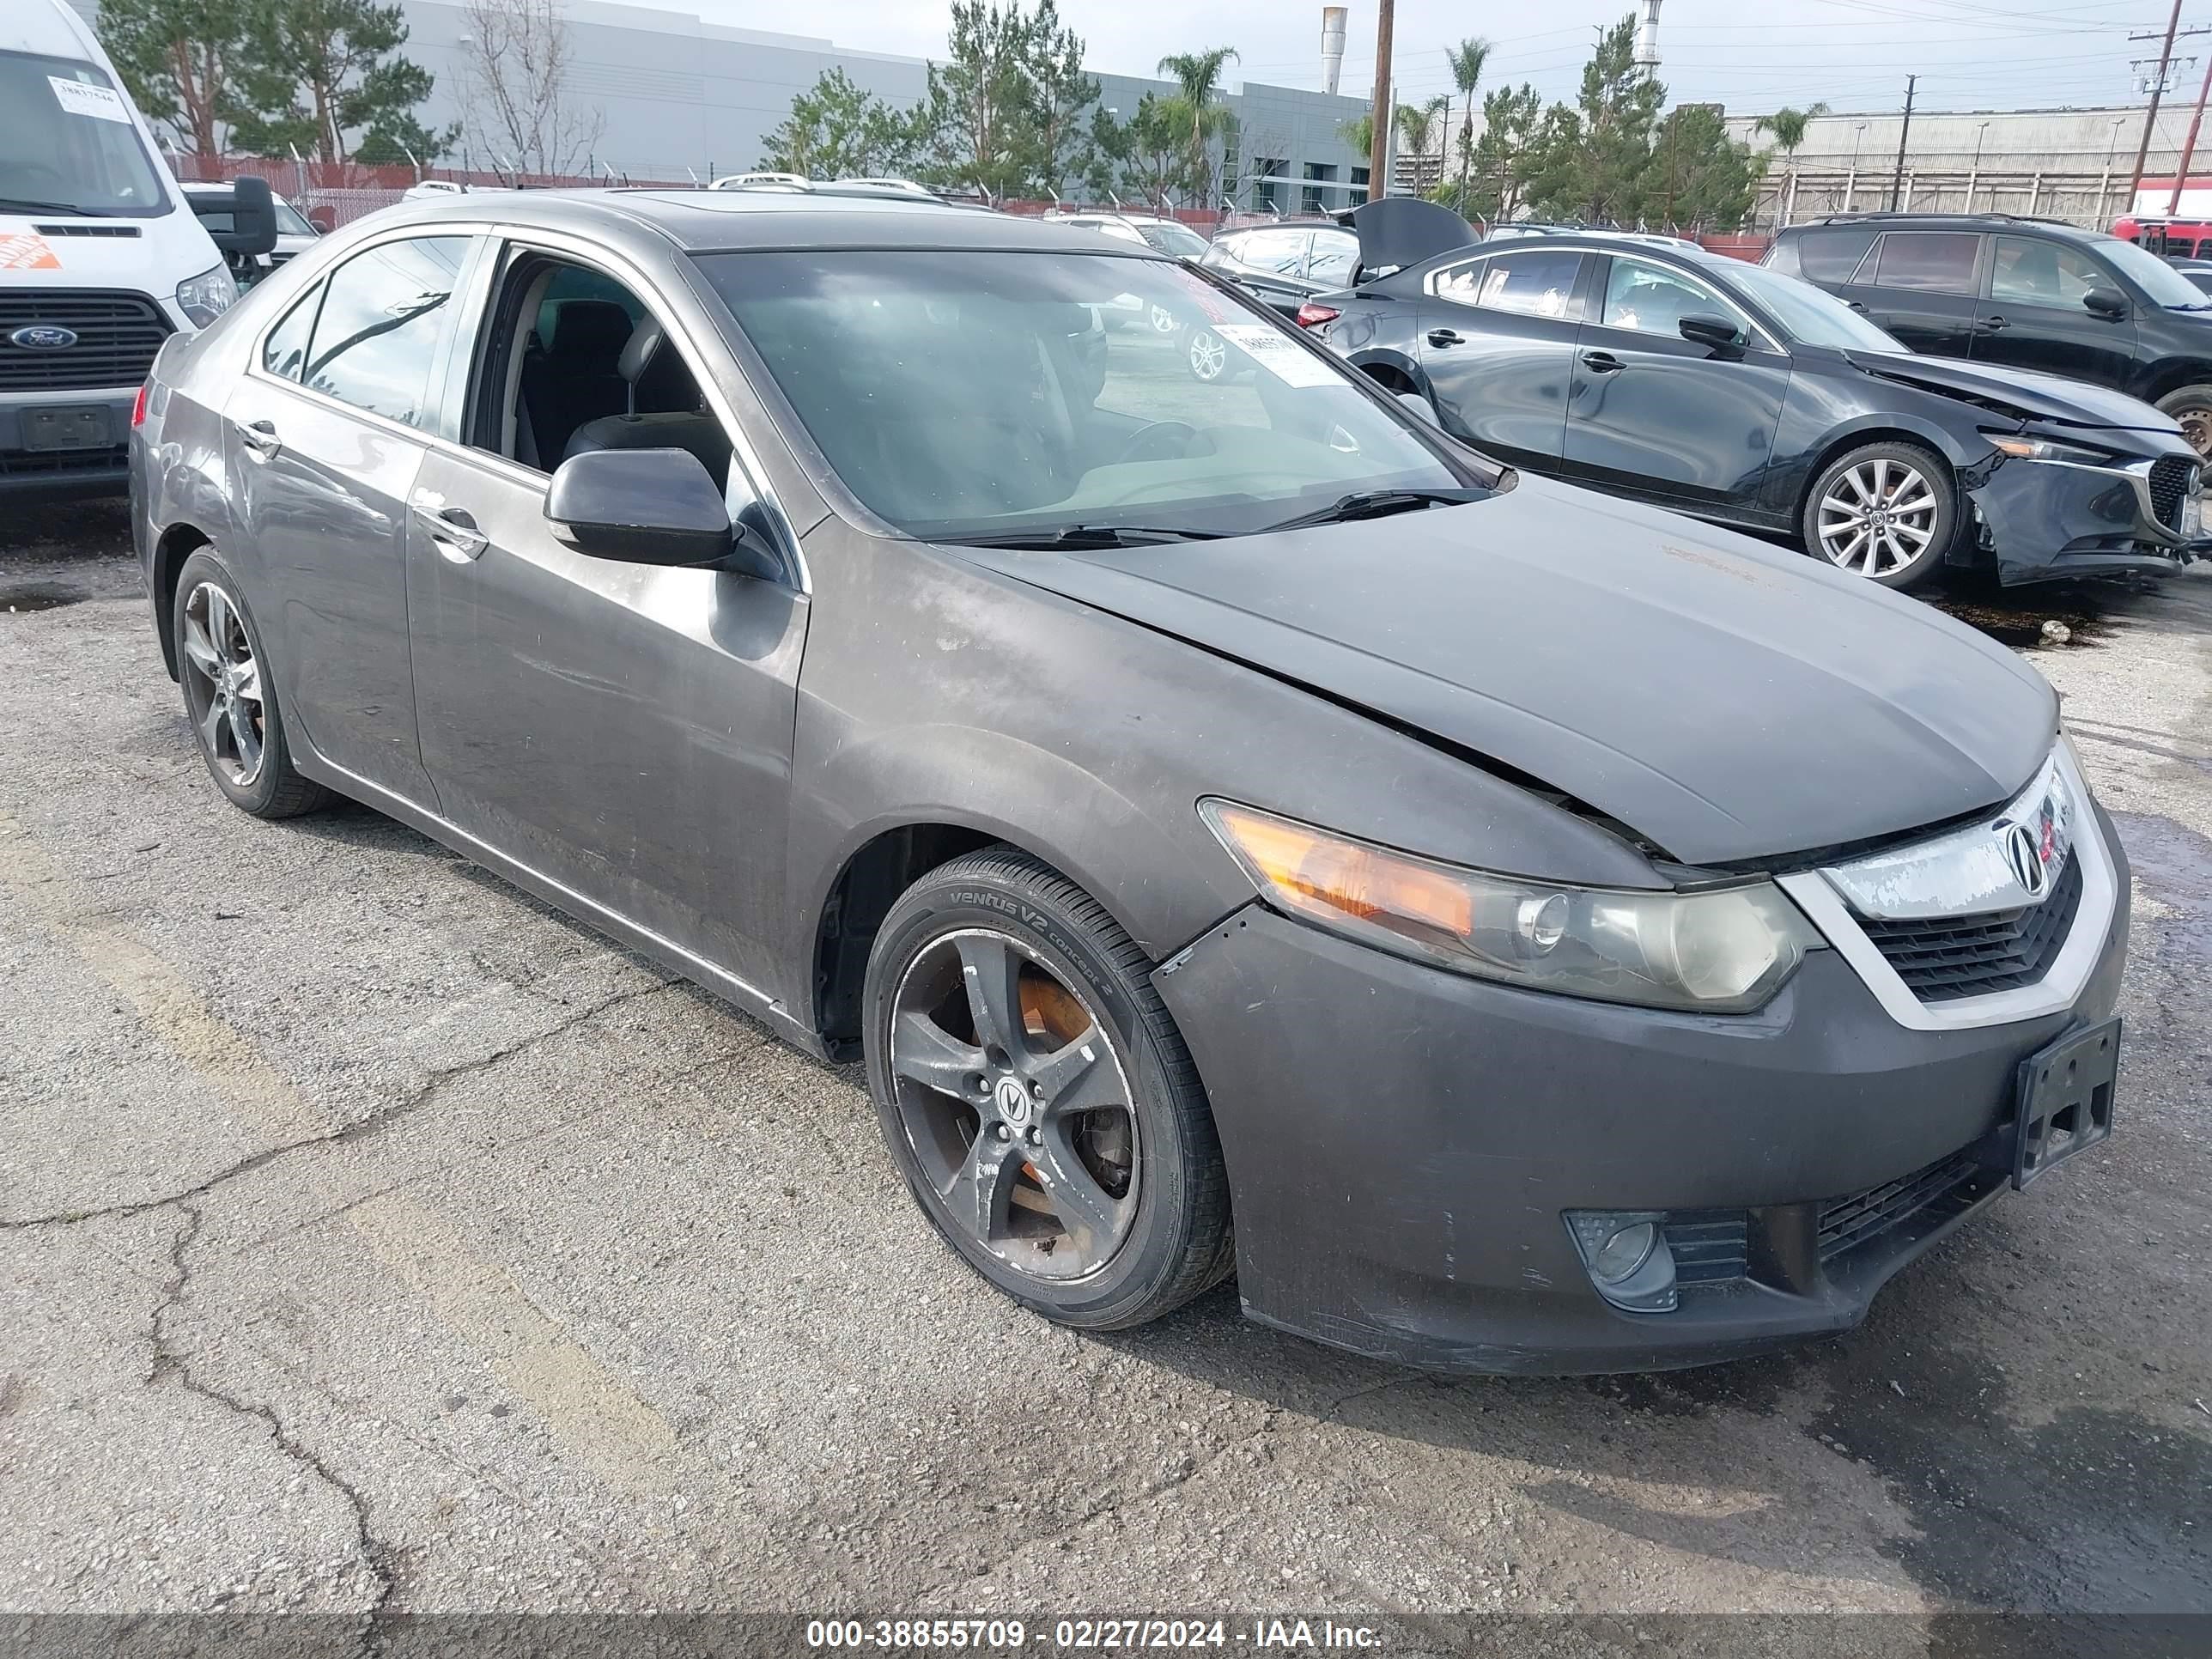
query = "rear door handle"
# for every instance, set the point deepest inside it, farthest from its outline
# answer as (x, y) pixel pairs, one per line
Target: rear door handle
(452, 530)
(260, 438)
(1602, 362)
(1446, 336)
(1993, 323)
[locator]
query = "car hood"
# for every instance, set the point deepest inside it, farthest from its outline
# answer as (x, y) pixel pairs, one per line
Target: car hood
(1726, 701)
(2033, 396)
(1404, 230)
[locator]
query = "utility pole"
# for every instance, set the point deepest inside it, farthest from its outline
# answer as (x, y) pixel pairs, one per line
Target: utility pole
(1378, 139)
(2157, 92)
(1897, 179)
(2189, 144)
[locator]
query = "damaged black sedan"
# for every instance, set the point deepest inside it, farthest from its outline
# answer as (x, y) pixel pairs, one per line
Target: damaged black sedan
(1240, 828)
(1749, 398)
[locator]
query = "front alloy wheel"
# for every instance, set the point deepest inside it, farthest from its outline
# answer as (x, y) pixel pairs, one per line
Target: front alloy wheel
(1209, 355)
(1883, 512)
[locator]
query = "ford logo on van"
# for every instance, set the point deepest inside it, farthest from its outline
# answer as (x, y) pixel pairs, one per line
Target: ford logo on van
(43, 336)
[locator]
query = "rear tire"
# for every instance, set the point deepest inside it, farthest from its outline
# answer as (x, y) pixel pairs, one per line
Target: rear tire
(2192, 409)
(1037, 1098)
(1886, 512)
(230, 695)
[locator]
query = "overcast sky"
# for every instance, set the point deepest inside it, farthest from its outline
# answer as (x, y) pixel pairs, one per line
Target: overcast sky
(1750, 55)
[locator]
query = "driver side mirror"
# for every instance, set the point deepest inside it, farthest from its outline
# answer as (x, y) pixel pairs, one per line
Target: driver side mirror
(655, 506)
(252, 212)
(1705, 329)
(2106, 302)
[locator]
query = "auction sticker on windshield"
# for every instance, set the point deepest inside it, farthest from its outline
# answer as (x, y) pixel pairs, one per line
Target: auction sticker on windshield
(1282, 357)
(82, 98)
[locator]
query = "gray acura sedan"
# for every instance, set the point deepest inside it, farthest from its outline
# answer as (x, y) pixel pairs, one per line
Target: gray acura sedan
(1563, 936)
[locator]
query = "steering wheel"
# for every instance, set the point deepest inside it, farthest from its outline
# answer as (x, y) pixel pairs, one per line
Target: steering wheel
(1160, 441)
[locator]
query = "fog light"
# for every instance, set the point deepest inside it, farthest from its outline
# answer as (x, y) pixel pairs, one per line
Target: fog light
(1627, 1255)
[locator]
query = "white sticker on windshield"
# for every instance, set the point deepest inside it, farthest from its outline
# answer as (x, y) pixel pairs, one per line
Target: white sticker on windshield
(1277, 354)
(82, 98)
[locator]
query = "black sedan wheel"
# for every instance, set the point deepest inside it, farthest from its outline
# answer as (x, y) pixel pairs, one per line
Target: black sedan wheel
(1037, 1097)
(230, 698)
(1886, 512)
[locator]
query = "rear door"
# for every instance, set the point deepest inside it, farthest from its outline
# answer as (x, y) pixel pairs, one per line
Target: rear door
(1649, 413)
(325, 433)
(1924, 286)
(1498, 341)
(2033, 317)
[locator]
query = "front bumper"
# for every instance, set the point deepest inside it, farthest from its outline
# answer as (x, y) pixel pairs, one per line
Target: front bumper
(1403, 1143)
(2039, 520)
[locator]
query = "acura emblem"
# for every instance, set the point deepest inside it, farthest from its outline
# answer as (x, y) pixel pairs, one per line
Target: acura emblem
(2025, 858)
(43, 336)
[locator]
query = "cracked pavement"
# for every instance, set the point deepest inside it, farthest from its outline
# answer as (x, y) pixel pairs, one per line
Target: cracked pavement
(373, 1238)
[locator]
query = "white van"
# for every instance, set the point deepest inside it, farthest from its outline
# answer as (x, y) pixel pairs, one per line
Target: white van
(99, 259)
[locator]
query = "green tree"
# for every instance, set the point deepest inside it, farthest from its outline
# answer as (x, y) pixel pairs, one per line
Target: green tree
(837, 129)
(324, 70)
(1158, 152)
(973, 126)
(1063, 97)
(1699, 179)
(180, 59)
(1467, 59)
(1197, 76)
(1592, 160)
(1788, 126)
(1417, 127)
(1497, 171)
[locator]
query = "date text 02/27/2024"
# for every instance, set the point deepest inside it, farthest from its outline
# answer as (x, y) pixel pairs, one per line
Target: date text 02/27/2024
(1096, 1635)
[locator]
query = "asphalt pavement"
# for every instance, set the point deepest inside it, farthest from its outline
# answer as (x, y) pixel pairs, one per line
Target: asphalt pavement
(374, 1239)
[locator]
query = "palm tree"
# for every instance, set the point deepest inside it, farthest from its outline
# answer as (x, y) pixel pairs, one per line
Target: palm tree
(1467, 60)
(1417, 125)
(1198, 76)
(1788, 126)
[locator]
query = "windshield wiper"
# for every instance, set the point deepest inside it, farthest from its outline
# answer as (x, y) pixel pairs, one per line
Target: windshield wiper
(1084, 535)
(1377, 504)
(31, 204)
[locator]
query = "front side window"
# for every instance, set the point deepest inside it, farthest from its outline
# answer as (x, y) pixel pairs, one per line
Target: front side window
(2031, 271)
(966, 392)
(1932, 261)
(384, 312)
(284, 353)
(1540, 282)
(68, 143)
(1652, 299)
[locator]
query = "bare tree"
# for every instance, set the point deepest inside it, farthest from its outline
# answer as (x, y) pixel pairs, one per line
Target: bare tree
(518, 56)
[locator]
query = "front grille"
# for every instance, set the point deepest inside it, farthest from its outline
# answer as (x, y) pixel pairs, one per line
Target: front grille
(1846, 1223)
(117, 336)
(1945, 957)
(2169, 484)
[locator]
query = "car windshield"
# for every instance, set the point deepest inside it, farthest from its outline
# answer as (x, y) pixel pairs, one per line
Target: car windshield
(68, 143)
(1168, 237)
(1808, 315)
(289, 219)
(2163, 284)
(960, 393)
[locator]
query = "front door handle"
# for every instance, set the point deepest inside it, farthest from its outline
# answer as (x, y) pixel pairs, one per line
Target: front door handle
(1446, 336)
(452, 530)
(260, 438)
(1993, 323)
(1601, 363)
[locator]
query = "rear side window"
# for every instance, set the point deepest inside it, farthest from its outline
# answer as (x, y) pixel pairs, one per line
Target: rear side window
(384, 312)
(1540, 282)
(1935, 261)
(284, 353)
(1333, 255)
(1827, 256)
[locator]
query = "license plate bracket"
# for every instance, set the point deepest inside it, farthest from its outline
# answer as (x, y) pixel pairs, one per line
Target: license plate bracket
(2064, 1099)
(68, 426)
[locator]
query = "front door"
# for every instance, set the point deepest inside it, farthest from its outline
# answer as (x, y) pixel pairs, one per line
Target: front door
(323, 438)
(1653, 414)
(2034, 317)
(622, 730)
(1497, 338)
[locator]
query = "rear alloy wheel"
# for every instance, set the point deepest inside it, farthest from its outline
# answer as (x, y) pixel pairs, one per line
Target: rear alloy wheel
(1163, 320)
(1886, 512)
(1207, 354)
(1037, 1098)
(229, 698)
(2191, 410)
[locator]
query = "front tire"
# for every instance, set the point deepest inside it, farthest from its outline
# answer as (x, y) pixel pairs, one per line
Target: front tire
(1887, 511)
(2191, 406)
(230, 698)
(1037, 1098)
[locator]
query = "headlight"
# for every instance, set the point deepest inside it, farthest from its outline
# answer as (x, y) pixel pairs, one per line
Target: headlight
(1719, 950)
(205, 297)
(2045, 449)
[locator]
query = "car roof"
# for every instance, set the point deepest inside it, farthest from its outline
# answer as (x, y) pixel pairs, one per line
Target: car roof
(1976, 222)
(703, 220)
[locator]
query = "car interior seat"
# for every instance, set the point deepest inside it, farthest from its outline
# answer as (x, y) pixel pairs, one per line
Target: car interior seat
(663, 407)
